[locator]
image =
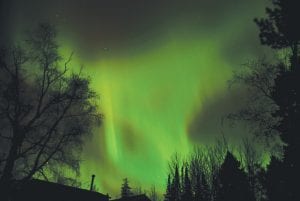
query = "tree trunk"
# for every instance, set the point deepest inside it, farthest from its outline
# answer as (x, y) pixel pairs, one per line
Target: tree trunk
(12, 155)
(6, 179)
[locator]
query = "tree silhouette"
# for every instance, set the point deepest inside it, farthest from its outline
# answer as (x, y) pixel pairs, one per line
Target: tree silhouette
(275, 181)
(175, 186)
(202, 191)
(167, 195)
(187, 194)
(282, 177)
(258, 78)
(260, 184)
(280, 29)
(45, 110)
(276, 105)
(229, 180)
(153, 195)
(206, 194)
(233, 183)
(182, 178)
(199, 165)
(252, 163)
(126, 189)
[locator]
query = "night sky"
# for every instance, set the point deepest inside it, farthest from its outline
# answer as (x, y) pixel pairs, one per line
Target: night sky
(161, 68)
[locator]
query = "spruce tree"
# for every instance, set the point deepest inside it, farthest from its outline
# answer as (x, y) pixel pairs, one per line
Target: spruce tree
(175, 188)
(281, 30)
(198, 189)
(205, 188)
(202, 190)
(281, 180)
(125, 189)
(234, 184)
(167, 196)
(187, 194)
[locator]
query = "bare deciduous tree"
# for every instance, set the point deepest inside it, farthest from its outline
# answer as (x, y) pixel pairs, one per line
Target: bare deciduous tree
(258, 78)
(251, 160)
(45, 110)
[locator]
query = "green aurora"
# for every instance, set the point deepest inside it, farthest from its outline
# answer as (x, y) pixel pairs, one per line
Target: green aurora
(163, 91)
(148, 105)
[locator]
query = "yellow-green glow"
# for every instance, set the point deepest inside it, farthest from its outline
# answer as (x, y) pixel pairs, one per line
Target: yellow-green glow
(157, 67)
(148, 100)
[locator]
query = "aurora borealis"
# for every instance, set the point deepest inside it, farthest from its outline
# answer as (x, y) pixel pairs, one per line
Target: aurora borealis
(161, 70)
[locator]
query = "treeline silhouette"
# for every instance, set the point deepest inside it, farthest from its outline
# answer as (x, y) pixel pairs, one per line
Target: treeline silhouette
(273, 111)
(214, 173)
(127, 193)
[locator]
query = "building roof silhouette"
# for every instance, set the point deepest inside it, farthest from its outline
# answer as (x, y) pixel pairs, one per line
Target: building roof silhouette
(141, 197)
(37, 190)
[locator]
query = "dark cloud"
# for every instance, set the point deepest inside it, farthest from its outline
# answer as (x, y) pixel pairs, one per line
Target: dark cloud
(95, 25)
(211, 121)
(132, 139)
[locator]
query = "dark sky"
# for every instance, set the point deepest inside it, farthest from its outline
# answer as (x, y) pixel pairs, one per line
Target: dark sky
(123, 23)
